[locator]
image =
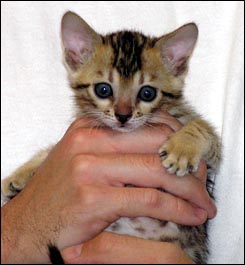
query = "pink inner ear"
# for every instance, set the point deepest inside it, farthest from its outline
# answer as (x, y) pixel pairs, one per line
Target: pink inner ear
(77, 48)
(77, 39)
(179, 51)
(180, 46)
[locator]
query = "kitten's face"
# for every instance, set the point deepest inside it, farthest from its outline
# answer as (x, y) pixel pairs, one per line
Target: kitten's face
(124, 79)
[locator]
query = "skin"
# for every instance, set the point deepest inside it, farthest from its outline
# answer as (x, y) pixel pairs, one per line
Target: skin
(69, 199)
(109, 248)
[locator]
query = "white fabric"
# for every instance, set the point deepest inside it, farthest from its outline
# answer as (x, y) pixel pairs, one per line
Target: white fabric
(37, 104)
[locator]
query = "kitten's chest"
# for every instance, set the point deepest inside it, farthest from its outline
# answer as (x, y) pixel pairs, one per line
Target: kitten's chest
(191, 239)
(146, 228)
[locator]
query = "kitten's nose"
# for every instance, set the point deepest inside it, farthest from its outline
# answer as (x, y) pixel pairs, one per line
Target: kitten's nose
(123, 118)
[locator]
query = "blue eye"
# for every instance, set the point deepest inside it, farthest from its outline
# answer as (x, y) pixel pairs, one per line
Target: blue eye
(147, 93)
(103, 90)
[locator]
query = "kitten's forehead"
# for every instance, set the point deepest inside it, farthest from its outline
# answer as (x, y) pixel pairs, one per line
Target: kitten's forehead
(127, 51)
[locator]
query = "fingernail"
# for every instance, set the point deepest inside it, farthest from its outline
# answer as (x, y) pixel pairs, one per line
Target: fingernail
(201, 214)
(72, 252)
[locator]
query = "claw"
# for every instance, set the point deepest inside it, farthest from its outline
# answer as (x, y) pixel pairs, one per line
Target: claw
(163, 153)
(190, 168)
(169, 166)
(12, 188)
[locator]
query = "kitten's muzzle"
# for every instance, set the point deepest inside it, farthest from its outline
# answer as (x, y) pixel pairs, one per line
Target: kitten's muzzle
(123, 118)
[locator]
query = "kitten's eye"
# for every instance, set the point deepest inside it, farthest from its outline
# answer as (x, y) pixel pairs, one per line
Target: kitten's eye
(103, 90)
(147, 93)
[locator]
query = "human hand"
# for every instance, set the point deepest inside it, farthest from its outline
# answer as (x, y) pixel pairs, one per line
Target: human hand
(85, 173)
(110, 248)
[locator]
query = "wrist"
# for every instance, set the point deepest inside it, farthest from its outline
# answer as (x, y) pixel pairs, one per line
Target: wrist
(18, 244)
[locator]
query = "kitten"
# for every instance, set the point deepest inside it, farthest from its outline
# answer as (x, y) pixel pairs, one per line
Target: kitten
(124, 80)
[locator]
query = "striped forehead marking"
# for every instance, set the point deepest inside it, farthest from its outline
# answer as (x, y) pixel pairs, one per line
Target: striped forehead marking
(127, 50)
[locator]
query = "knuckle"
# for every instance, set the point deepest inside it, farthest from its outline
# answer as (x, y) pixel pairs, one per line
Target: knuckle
(76, 136)
(152, 198)
(151, 162)
(75, 124)
(179, 206)
(88, 196)
(81, 165)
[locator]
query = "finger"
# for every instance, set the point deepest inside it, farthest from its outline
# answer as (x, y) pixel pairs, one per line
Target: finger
(87, 140)
(165, 118)
(201, 172)
(82, 122)
(109, 248)
(143, 170)
(135, 202)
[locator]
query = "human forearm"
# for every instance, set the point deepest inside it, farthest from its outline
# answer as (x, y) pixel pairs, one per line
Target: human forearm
(19, 243)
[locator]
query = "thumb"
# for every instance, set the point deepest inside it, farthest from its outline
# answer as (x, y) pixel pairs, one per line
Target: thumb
(71, 253)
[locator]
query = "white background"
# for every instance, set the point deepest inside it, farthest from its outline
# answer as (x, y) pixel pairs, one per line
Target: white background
(37, 103)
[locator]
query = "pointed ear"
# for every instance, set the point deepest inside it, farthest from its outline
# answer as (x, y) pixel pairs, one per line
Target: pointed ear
(79, 40)
(176, 48)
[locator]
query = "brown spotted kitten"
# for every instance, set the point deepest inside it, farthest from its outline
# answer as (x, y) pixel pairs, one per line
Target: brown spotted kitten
(125, 80)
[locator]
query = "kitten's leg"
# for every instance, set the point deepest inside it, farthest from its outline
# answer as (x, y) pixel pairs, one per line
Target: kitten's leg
(18, 179)
(182, 153)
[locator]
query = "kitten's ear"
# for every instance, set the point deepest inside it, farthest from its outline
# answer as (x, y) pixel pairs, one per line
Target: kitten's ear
(79, 40)
(176, 47)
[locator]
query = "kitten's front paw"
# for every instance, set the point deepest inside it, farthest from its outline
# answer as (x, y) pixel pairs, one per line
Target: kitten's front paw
(180, 157)
(12, 185)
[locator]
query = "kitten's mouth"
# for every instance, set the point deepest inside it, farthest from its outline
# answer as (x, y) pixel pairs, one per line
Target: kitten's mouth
(118, 126)
(124, 127)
